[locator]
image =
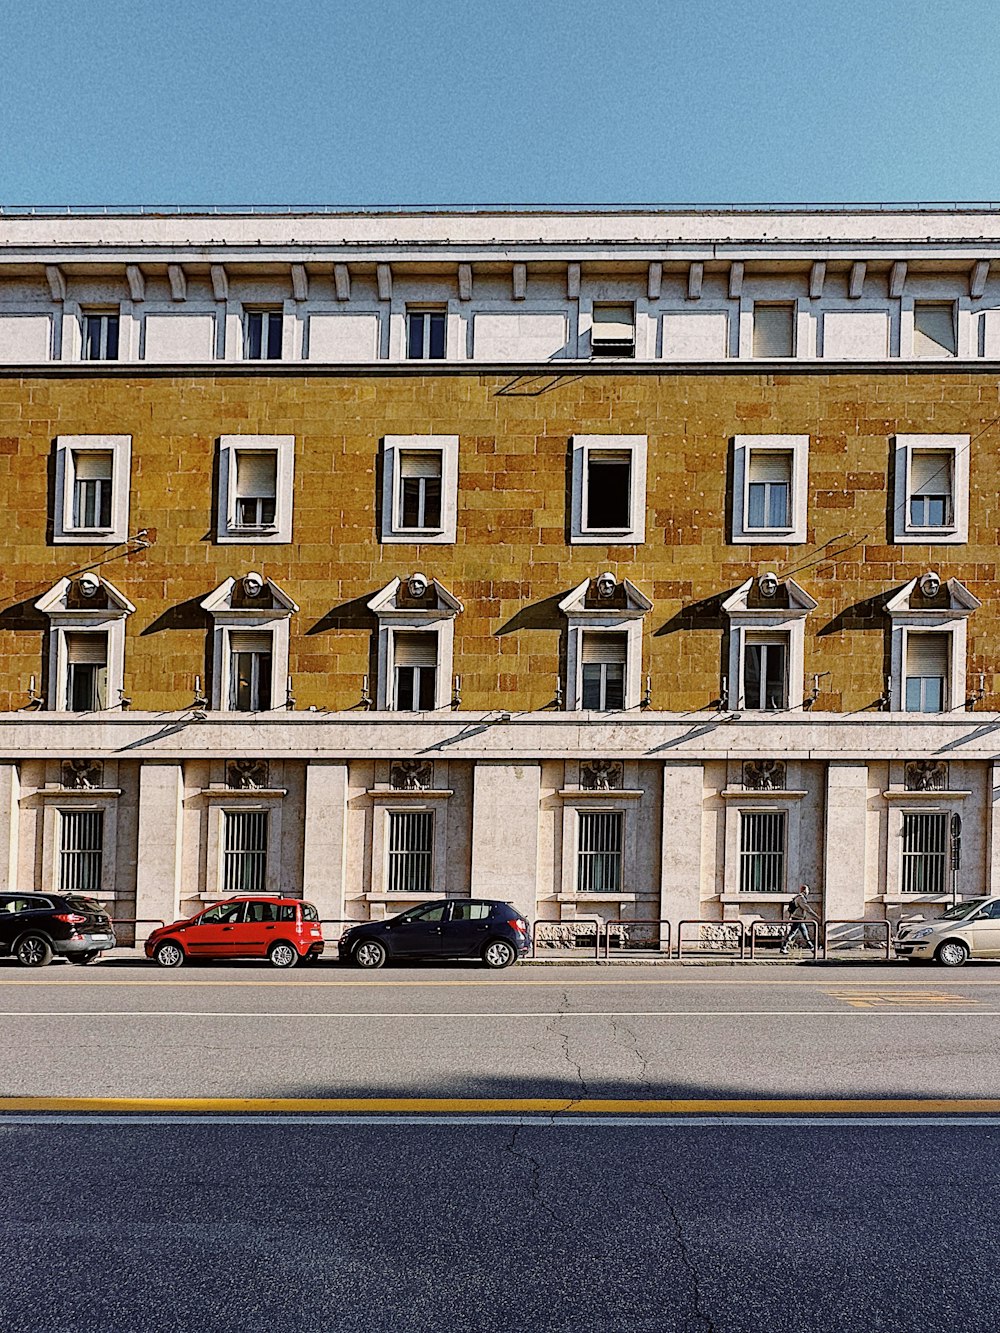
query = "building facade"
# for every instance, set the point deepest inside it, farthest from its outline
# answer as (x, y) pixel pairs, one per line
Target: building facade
(629, 563)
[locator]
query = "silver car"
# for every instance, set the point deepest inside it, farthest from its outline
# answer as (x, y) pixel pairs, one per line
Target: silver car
(967, 930)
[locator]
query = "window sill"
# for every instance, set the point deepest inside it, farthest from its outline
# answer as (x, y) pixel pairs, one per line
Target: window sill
(756, 897)
(587, 794)
(901, 899)
(742, 794)
(240, 792)
(596, 897)
(927, 796)
(401, 895)
(78, 793)
(416, 794)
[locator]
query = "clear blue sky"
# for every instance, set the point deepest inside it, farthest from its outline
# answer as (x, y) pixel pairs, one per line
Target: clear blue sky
(466, 101)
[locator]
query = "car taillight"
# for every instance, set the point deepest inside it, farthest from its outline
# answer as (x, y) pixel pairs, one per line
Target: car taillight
(518, 924)
(71, 918)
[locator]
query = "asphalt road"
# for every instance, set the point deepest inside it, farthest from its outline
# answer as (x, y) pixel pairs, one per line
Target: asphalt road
(714, 1150)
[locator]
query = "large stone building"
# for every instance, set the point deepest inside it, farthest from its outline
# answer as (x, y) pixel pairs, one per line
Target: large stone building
(638, 563)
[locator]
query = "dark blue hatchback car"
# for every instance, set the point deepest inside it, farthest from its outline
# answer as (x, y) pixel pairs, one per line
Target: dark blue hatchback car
(449, 928)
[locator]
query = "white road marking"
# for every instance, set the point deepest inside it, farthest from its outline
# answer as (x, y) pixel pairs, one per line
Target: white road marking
(501, 1016)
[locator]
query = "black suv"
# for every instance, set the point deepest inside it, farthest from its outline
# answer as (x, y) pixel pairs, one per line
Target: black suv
(34, 926)
(449, 928)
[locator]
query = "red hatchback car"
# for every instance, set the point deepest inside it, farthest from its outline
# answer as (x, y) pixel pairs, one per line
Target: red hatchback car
(284, 930)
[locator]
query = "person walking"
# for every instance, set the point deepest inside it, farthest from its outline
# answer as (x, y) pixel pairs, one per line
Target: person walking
(799, 912)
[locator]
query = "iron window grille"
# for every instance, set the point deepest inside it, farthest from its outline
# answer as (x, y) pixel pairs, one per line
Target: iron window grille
(81, 851)
(599, 862)
(925, 852)
(244, 857)
(762, 851)
(411, 849)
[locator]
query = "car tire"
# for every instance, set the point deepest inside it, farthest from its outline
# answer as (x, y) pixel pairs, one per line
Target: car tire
(952, 953)
(82, 959)
(499, 953)
(169, 954)
(369, 954)
(282, 954)
(33, 951)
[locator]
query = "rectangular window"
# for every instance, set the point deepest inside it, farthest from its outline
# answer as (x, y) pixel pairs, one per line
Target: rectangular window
(86, 672)
(934, 332)
(603, 671)
(244, 855)
(599, 858)
(425, 334)
(262, 335)
(608, 491)
(420, 489)
(613, 330)
(774, 330)
(256, 488)
(411, 847)
(415, 670)
(100, 335)
(925, 852)
(93, 472)
(765, 673)
(251, 656)
(927, 672)
(769, 489)
(762, 851)
(931, 488)
(81, 851)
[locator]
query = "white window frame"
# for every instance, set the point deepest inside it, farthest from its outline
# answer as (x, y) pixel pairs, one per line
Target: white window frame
(430, 308)
(797, 448)
(103, 313)
(56, 803)
(627, 621)
(948, 803)
(738, 802)
(228, 531)
(635, 446)
(958, 448)
(781, 622)
(272, 311)
(65, 532)
(109, 621)
(227, 620)
(439, 620)
(220, 803)
(953, 621)
(393, 447)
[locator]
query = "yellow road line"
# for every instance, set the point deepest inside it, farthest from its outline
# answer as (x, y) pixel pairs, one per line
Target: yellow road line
(589, 1105)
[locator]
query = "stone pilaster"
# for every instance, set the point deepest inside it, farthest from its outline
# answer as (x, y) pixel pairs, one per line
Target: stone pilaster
(505, 834)
(158, 871)
(845, 859)
(680, 864)
(325, 839)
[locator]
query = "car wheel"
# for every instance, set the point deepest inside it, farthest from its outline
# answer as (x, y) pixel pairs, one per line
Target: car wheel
(953, 953)
(169, 954)
(370, 954)
(82, 959)
(499, 953)
(283, 954)
(33, 951)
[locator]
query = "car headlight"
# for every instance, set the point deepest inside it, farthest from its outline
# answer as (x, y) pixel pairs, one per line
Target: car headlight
(921, 934)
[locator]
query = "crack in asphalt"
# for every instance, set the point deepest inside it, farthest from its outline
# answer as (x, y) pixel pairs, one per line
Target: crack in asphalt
(618, 1027)
(705, 1322)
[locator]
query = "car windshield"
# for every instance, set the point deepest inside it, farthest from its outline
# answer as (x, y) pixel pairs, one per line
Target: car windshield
(85, 905)
(961, 910)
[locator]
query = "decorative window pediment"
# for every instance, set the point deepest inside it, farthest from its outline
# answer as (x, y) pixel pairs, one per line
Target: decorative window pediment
(940, 601)
(929, 619)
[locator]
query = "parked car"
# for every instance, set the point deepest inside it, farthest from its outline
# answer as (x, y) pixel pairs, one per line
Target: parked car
(449, 928)
(36, 926)
(284, 930)
(967, 930)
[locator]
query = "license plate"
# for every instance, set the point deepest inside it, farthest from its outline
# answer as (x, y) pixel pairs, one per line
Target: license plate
(100, 939)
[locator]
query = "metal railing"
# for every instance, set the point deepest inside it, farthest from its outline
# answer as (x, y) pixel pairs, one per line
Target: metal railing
(780, 931)
(619, 927)
(134, 921)
(568, 927)
(866, 926)
(738, 926)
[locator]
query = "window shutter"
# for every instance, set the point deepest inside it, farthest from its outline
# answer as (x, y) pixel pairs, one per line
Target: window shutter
(770, 466)
(603, 648)
(927, 654)
(613, 323)
(772, 330)
(256, 475)
(241, 641)
(87, 649)
(426, 463)
(930, 473)
(415, 649)
(90, 465)
(934, 330)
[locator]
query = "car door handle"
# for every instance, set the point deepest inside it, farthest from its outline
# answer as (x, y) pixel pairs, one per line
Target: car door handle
(227, 927)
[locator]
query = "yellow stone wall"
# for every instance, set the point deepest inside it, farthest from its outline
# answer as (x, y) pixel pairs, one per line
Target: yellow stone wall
(512, 553)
